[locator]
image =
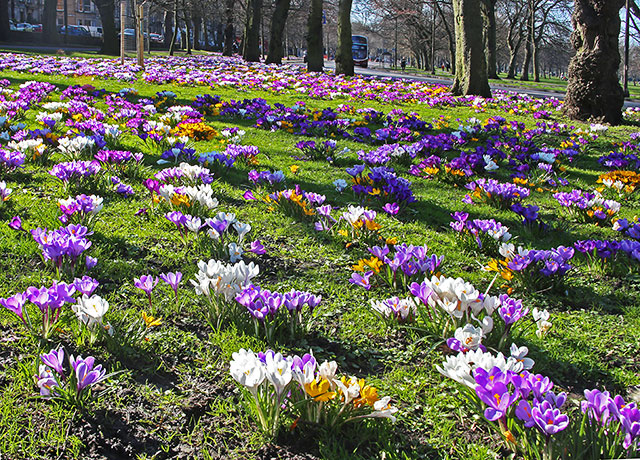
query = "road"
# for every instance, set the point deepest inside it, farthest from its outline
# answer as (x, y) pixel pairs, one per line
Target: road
(379, 72)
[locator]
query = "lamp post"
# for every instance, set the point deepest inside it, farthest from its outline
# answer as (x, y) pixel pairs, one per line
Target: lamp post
(395, 49)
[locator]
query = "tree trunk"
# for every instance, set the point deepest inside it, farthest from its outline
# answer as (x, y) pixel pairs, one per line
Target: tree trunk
(49, 31)
(205, 35)
(471, 64)
(197, 29)
(450, 38)
(251, 50)
(315, 58)
(593, 90)
(168, 23)
(110, 42)
(176, 25)
(229, 35)
(4, 20)
(513, 57)
(187, 24)
(489, 7)
(527, 60)
(278, 22)
(344, 58)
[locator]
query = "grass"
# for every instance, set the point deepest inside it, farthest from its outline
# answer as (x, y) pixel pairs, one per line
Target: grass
(173, 394)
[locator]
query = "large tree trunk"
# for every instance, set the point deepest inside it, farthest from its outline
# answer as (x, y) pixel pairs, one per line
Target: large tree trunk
(251, 50)
(229, 35)
(205, 35)
(593, 90)
(49, 31)
(197, 29)
(168, 22)
(471, 64)
(489, 7)
(513, 56)
(344, 58)
(110, 42)
(278, 22)
(4, 20)
(187, 24)
(315, 59)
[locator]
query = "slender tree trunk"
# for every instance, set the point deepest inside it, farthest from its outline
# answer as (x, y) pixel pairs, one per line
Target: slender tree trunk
(450, 38)
(593, 90)
(251, 51)
(471, 64)
(344, 58)
(278, 23)
(49, 31)
(315, 58)
(527, 60)
(4, 20)
(176, 25)
(187, 24)
(168, 22)
(489, 7)
(229, 35)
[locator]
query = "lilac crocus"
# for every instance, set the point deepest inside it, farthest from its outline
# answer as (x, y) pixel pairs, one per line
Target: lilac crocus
(16, 224)
(146, 282)
(361, 280)
(257, 248)
(86, 285)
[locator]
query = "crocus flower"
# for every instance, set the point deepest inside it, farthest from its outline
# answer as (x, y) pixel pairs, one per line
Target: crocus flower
(361, 280)
(86, 373)
(146, 282)
(54, 360)
(172, 279)
(16, 223)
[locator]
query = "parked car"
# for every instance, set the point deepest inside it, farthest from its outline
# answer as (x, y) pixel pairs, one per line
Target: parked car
(95, 31)
(12, 25)
(156, 38)
(24, 27)
(77, 31)
(37, 27)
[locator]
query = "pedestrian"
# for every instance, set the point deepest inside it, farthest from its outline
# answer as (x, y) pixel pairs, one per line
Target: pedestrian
(403, 64)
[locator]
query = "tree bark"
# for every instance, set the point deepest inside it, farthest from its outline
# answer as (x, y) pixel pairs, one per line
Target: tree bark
(110, 42)
(229, 35)
(187, 24)
(315, 58)
(176, 25)
(450, 38)
(471, 63)
(168, 23)
(4, 20)
(197, 28)
(344, 58)
(593, 90)
(278, 23)
(205, 35)
(489, 7)
(527, 61)
(49, 31)
(251, 50)
(513, 56)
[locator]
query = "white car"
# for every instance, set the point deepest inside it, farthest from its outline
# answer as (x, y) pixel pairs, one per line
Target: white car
(24, 27)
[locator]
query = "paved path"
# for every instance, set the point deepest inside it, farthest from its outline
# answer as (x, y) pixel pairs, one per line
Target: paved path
(378, 72)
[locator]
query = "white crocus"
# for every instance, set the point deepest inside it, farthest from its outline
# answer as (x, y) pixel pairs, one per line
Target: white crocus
(469, 336)
(383, 408)
(520, 354)
(278, 371)
(247, 369)
(90, 310)
(461, 366)
(242, 229)
(235, 252)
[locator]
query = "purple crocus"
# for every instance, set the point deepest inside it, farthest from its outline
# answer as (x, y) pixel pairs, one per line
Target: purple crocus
(15, 303)
(86, 373)
(86, 285)
(146, 282)
(54, 360)
(172, 279)
(16, 224)
(257, 248)
(361, 280)
(549, 419)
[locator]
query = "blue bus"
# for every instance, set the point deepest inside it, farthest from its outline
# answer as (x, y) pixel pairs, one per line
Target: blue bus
(360, 50)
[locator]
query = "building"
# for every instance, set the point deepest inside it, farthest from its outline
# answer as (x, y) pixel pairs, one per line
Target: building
(79, 13)
(26, 11)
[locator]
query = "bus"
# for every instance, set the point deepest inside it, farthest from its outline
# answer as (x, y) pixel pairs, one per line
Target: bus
(360, 50)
